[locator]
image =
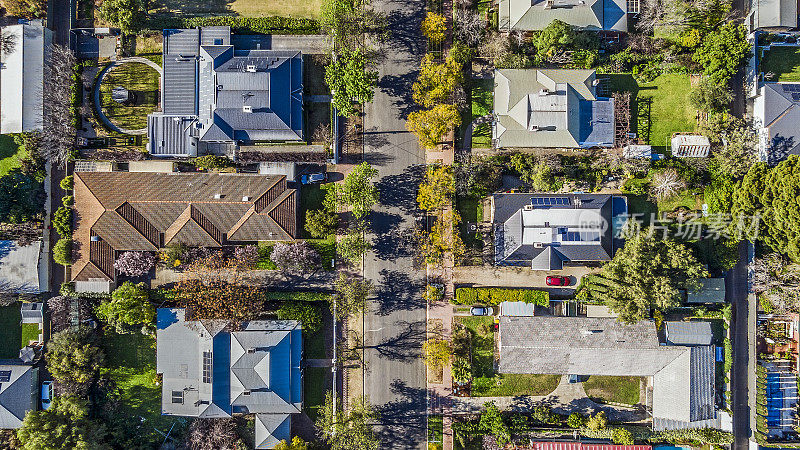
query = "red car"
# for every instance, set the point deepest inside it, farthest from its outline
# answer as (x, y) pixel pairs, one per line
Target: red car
(557, 281)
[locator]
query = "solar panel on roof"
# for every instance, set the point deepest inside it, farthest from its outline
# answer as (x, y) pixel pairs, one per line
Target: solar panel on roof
(549, 201)
(796, 96)
(791, 87)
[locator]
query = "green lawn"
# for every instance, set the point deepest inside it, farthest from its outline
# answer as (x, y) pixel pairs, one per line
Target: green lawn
(10, 154)
(10, 331)
(471, 210)
(29, 332)
(435, 430)
(247, 8)
(484, 380)
(482, 104)
(784, 62)
(142, 82)
(316, 382)
(660, 108)
(613, 389)
(131, 364)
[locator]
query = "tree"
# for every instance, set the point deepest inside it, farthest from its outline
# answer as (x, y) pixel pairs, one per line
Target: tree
(576, 420)
(351, 81)
(678, 16)
(129, 307)
(468, 27)
(67, 183)
(353, 246)
(307, 313)
(738, 151)
(535, 172)
(73, 355)
(123, 14)
(297, 444)
(135, 264)
(321, 223)
(62, 221)
(65, 425)
(213, 434)
(598, 421)
(351, 295)
(666, 184)
(436, 82)
(246, 256)
(437, 352)
(347, 21)
(21, 197)
(62, 252)
(710, 96)
(443, 238)
(58, 133)
(28, 9)
(438, 188)
(777, 282)
(723, 51)
(358, 192)
(555, 36)
(492, 422)
(348, 430)
(544, 415)
(430, 125)
(621, 436)
(434, 27)
(647, 273)
(295, 257)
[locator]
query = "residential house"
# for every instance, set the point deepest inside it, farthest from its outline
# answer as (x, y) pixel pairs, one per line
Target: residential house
(688, 333)
(216, 95)
(597, 15)
(777, 367)
(772, 15)
(23, 269)
(549, 231)
(19, 393)
(213, 369)
(23, 57)
(551, 108)
(142, 211)
(682, 377)
(567, 445)
(776, 116)
(708, 291)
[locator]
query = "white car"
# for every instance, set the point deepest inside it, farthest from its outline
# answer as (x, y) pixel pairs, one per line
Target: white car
(47, 394)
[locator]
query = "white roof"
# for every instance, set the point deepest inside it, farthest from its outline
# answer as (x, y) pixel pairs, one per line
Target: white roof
(19, 268)
(22, 77)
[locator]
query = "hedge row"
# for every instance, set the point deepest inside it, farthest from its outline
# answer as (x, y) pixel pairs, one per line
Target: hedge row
(248, 25)
(493, 296)
(299, 296)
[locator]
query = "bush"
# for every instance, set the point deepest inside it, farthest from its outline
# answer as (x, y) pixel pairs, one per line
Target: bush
(246, 256)
(212, 162)
(62, 221)
(62, 251)
(320, 223)
(461, 369)
(576, 420)
(134, 264)
(636, 186)
(174, 255)
(493, 296)
(295, 257)
(128, 309)
(67, 200)
(621, 436)
(308, 314)
(67, 183)
(598, 421)
(243, 25)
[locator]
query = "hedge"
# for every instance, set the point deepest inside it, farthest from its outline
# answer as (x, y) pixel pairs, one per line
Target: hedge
(62, 251)
(493, 296)
(248, 25)
(299, 296)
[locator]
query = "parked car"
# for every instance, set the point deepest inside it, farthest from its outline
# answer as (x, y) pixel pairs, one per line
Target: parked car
(47, 394)
(555, 280)
(312, 178)
(573, 379)
(481, 311)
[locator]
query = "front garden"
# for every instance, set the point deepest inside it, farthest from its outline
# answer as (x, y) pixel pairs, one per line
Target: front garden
(623, 390)
(141, 84)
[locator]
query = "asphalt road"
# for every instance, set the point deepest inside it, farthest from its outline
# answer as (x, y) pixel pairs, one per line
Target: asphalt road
(59, 21)
(395, 323)
(736, 286)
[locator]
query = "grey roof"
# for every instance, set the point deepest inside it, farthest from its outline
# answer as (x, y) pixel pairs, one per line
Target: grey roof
(776, 111)
(688, 333)
(710, 290)
(517, 309)
(571, 228)
(19, 268)
(528, 15)
(683, 377)
(551, 108)
(253, 370)
(18, 395)
(172, 135)
(774, 14)
(271, 429)
(22, 77)
(229, 95)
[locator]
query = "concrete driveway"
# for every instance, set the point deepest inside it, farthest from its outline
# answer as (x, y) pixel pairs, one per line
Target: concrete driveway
(519, 277)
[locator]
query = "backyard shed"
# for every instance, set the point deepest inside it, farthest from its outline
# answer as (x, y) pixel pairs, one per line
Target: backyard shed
(690, 146)
(688, 333)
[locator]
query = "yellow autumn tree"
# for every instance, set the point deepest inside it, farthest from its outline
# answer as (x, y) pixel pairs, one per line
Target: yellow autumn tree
(431, 124)
(438, 188)
(436, 81)
(434, 26)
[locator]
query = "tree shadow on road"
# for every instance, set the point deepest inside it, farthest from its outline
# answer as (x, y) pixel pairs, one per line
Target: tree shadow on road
(403, 420)
(396, 291)
(400, 190)
(407, 344)
(391, 241)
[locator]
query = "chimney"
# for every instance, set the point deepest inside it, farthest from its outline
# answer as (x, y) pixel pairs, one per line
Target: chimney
(251, 68)
(543, 92)
(247, 109)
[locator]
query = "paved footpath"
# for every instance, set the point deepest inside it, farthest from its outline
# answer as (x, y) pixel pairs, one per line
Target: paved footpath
(394, 326)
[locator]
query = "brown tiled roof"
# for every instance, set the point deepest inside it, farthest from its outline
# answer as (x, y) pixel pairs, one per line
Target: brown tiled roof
(146, 211)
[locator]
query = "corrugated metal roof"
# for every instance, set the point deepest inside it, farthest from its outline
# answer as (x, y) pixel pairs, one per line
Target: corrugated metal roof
(580, 446)
(688, 333)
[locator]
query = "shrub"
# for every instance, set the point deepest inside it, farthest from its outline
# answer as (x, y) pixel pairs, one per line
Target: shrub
(461, 369)
(576, 420)
(246, 256)
(174, 255)
(62, 251)
(320, 223)
(434, 27)
(212, 162)
(67, 183)
(636, 186)
(295, 257)
(598, 421)
(308, 314)
(128, 308)
(74, 356)
(433, 294)
(621, 436)
(244, 25)
(493, 296)
(62, 221)
(134, 264)
(67, 200)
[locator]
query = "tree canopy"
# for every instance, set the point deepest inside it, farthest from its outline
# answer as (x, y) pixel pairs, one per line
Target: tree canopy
(723, 51)
(358, 191)
(124, 14)
(648, 273)
(129, 307)
(351, 80)
(74, 356)
(350, 430)
(430, 125)
(65, 425)
(438, 188)
(436, 81)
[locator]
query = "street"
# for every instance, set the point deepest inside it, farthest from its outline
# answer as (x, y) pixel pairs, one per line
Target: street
(394, 328)
(736, 286)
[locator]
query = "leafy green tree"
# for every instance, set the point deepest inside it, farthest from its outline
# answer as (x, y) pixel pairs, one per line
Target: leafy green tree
(621, 436)
(430, 125)
(438, 189)
(738, 150)
(556, 35)
(434, 27)
(297, 444)
(719, 194)
(65, 425)
(129, 307)
(537, 174)
(124, 14)
(21, 197)
(353, 246)
(307, 313)
(544, 414)
(576, 420)
(358, 191)
(437, 352)
(348, 430)
(62, 221)
(492, 422)
(437, 81)
(321, 223)
(62, 252)
(648, 273)
(351, 295)
(443, 238)
(711, 96)
(723, 51)
(346, 21)
(351, 81)
(73, 355)
(67, 183)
